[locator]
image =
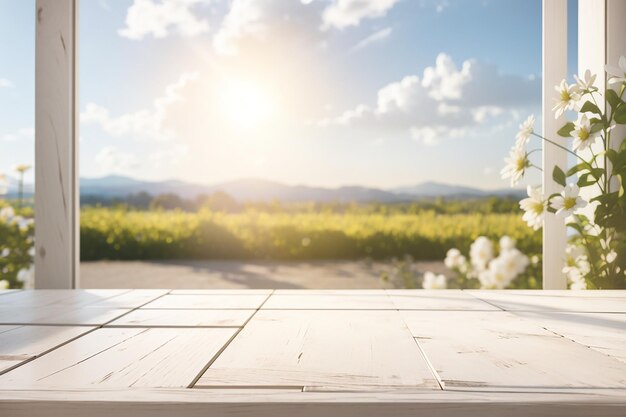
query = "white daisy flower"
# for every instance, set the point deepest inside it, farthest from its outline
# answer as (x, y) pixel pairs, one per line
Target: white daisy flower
(534, 207)
(585, 83)
(496, 276)
(618, 74)
(516, 164)
(568, 98)
(506, 243)
(454, 259)
(434, 282)
(568, 202)
(525, 130)
(481, 252)
(513, 262)
(583, 138)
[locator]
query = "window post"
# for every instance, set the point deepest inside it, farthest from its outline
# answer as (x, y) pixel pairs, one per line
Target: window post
(554, 58)
(56, 144)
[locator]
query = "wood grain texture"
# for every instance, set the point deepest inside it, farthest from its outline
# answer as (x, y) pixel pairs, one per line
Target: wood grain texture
(216, 301)
(436, 300)
(346, 350)
(500, 351)
(329, 302)
(220, 292)
(130, 299)
(129, 357)
(60, 315)
(202, 403)
(56, 144)
(572, 301)
(604, 332)
(184, 318)
(32, 299)
(358, 362)
(20, 343)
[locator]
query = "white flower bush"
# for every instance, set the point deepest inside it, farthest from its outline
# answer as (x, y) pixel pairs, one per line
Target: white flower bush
(16, 243)
(434, 281)
(484, 268)
(596, 257)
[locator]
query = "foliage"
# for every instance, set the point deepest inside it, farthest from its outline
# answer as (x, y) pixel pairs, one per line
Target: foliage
(121, 233)
(597, 255)
(16, 246)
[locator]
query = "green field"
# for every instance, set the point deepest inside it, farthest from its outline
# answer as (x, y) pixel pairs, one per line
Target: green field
(293, 234)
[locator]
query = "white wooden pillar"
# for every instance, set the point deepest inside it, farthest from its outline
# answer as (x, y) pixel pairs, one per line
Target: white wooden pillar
(554, 58)
(601, 41)
(56, 145)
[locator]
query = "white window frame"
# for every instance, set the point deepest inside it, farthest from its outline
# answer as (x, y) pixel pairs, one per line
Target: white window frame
(56, 121)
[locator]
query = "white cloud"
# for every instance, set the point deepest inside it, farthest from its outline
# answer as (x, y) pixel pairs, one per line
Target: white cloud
(112, 160)
(375, 37)
(161, 18)
(147, 123)
(445, 102)
(267, 20)
(344, 13)
(22, 133)
(4, 83)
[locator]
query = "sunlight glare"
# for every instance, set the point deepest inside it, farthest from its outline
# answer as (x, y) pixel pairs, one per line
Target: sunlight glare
(246, 105)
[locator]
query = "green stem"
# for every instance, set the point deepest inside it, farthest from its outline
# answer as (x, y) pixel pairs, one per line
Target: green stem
(564, 148)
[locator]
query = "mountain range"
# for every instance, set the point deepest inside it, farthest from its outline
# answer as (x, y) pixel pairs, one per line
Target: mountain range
(115, 186)
(263, 190)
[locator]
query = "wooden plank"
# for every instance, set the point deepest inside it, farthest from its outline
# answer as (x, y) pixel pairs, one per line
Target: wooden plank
(40, 298)
(574, 301)
(329, 302)
(201, 403)
(345, 350)
(56, 144)
(604, 332)
(218, 301)
(60, 315)
(131, 299)
(436, 300)
(123, 357)
(331, 292)
(554, 59)
(220, 292)
(500, 351)
(21, 343)
(184, 318)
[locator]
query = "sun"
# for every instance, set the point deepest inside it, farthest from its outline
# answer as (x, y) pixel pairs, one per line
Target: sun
(245, 104)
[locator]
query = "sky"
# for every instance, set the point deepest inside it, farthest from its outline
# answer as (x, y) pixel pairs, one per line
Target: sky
(381, 93)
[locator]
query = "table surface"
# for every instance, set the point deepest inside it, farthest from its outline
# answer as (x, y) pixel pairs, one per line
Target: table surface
(272, 352)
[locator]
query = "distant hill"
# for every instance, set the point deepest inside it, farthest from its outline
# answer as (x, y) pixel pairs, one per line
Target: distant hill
(263, 190)
(435, 189)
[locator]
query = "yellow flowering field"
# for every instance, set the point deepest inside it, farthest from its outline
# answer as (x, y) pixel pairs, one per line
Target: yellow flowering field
(118, 233)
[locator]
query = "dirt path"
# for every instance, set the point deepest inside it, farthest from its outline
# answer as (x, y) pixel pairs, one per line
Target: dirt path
(237, 274)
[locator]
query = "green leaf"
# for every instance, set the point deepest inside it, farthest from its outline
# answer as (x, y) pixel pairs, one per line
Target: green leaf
(620, 115)
(586, 180)
(575, 169)
(591, 108)
(566, 130)
(596, 127)
(558, 176)
(612, 155)
(612, 98)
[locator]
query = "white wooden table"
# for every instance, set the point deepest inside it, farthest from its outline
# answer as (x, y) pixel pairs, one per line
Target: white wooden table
(312, 353)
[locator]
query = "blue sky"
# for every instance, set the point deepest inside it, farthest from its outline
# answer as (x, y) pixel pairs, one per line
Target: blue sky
(319, 92)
